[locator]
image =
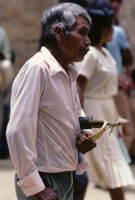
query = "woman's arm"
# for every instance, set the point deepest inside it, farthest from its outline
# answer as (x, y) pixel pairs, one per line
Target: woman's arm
(81, 85)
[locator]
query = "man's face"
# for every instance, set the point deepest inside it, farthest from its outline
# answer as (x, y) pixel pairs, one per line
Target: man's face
(116, 6)
(75, 46)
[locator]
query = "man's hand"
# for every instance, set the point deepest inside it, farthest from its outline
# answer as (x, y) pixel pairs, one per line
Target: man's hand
(84, 144)
(46, 194)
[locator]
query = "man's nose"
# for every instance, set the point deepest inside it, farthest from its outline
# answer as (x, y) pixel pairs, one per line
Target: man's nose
(87, 41)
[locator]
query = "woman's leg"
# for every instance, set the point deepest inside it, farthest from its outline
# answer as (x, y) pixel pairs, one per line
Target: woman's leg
(117, 194)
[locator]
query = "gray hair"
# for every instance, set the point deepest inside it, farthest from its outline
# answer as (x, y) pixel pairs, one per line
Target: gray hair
(63, 14)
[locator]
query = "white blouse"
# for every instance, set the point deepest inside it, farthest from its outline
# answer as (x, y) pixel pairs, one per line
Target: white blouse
(99, 68)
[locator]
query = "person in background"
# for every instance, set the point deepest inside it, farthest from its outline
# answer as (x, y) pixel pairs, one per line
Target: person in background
(116, 4)
(119, 48)
(4, 44)
(132, 105)
(43, 132)
(97, 84)
(6, 78)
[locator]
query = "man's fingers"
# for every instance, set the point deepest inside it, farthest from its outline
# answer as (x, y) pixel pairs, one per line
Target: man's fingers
(86, 145)
(57, 198)
(88, 134)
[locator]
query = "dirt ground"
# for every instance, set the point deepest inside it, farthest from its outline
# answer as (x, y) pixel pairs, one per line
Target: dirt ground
(7, 191)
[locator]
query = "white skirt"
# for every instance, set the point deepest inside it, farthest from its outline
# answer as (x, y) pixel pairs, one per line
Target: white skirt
(108, 166)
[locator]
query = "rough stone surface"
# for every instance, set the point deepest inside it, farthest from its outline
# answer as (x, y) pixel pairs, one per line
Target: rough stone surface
(21, 20)
(127, 20)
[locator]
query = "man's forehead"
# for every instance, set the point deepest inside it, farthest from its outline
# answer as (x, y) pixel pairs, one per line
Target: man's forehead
(81, 22)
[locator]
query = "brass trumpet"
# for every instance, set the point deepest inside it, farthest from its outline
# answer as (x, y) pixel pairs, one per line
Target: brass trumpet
(89, 123)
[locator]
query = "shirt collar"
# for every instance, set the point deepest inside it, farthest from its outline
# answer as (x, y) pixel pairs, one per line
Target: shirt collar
(55, 66)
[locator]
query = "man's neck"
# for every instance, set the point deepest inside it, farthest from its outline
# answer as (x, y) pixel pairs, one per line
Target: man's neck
(58, 55)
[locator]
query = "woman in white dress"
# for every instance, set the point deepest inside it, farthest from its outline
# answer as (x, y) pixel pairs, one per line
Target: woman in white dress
(97, 84)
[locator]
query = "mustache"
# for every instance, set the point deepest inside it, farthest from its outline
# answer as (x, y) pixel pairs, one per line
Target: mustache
(85, 48)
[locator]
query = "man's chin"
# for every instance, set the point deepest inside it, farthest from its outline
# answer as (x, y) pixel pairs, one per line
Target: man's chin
(79, 59)
(81, 56)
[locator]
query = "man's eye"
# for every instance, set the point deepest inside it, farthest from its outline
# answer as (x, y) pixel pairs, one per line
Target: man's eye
(82, 32)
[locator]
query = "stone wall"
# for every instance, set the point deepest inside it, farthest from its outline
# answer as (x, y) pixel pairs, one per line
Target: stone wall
(21, 20)
(127, 20)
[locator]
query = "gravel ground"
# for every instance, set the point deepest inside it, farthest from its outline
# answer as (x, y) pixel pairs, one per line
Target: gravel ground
(7, 191)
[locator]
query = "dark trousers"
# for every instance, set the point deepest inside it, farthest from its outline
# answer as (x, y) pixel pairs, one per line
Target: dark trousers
(78, 187)
(61, 183)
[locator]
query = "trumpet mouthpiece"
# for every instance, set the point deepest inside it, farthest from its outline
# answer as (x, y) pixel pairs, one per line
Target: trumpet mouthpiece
(119, 123)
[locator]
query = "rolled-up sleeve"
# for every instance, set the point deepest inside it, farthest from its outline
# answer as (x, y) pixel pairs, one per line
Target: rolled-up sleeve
(22, 127)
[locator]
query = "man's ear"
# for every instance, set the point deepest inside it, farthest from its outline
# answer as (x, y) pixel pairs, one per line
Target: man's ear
(58, 32)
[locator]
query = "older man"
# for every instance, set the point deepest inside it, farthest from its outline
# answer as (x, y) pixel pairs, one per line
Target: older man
(43, 131)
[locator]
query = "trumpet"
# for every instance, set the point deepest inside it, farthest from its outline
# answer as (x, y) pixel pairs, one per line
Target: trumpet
(89, 123)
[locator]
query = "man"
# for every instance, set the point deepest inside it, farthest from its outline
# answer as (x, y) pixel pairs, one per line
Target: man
(43, 131)
(80, 181)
